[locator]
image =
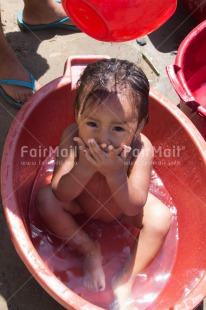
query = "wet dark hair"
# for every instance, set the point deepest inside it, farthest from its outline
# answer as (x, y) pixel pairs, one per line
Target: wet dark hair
(109, 77)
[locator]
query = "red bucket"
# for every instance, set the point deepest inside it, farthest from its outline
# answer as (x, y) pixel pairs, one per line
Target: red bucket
(188, 76)
(119, 21)
(40, 123)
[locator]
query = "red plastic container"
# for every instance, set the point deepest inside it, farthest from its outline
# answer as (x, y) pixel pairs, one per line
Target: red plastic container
(188, 76)
(40, 123)
(118, 21)
(197, 8)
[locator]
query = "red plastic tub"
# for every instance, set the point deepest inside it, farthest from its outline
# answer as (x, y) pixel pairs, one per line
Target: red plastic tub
(188, 76)
(197, 8)
(39, 124)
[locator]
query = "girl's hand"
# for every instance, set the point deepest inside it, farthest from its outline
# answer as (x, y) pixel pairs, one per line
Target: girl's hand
(82, 156)
(110, 163)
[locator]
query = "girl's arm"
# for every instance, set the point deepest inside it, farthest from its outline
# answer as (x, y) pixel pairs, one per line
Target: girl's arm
(69, 178)
(130, 192)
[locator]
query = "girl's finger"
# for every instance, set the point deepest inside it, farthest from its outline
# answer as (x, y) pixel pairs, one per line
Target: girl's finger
(89, 157)
(80, 143)
(95, 150)
(119, 150)
(126, 151)
(111, 151)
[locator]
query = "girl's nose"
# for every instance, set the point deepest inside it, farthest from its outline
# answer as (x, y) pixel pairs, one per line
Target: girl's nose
(103, 139)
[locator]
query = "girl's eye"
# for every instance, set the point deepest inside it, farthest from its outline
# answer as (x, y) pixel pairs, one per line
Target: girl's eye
(91, 124)
(118, 128)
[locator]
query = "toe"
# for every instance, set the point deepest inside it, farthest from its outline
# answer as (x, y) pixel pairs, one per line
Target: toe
(21, 97)
(101, 286)
(28, 95)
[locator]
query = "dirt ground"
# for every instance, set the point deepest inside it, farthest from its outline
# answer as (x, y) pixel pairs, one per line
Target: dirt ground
(44, 54)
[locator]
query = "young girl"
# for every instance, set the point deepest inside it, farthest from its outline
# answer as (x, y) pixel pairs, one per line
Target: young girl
(108, 176)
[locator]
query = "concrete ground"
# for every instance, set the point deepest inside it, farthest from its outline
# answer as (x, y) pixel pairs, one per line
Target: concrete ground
(44, 54)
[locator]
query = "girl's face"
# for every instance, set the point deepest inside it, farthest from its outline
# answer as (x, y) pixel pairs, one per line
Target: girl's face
(108, 123)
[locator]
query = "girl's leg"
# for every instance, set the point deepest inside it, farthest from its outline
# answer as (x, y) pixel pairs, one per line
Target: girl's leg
(43, 12)
(12, 69)
(58, 218)
(155, 225)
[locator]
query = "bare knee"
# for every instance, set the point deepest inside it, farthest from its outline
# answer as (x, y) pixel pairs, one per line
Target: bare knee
(41, 197)
(158, 219)
(163, 219)
(43, 202)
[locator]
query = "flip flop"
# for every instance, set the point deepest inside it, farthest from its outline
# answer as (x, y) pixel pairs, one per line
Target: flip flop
(59, 24)
(8, 98)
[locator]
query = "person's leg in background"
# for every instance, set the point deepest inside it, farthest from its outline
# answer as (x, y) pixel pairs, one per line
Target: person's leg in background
(12, 69)
(35, 12)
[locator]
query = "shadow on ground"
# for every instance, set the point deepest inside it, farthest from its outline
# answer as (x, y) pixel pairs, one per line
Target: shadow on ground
(168, 37)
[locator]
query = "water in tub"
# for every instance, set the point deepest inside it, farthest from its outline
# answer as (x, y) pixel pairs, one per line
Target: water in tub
(116, 242)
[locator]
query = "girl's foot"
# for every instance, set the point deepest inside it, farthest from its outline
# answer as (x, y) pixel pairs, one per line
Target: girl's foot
(94, 277)
(122, 290)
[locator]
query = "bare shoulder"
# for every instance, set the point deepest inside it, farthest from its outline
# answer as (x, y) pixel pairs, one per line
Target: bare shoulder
(143, 145)
(66, 155)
